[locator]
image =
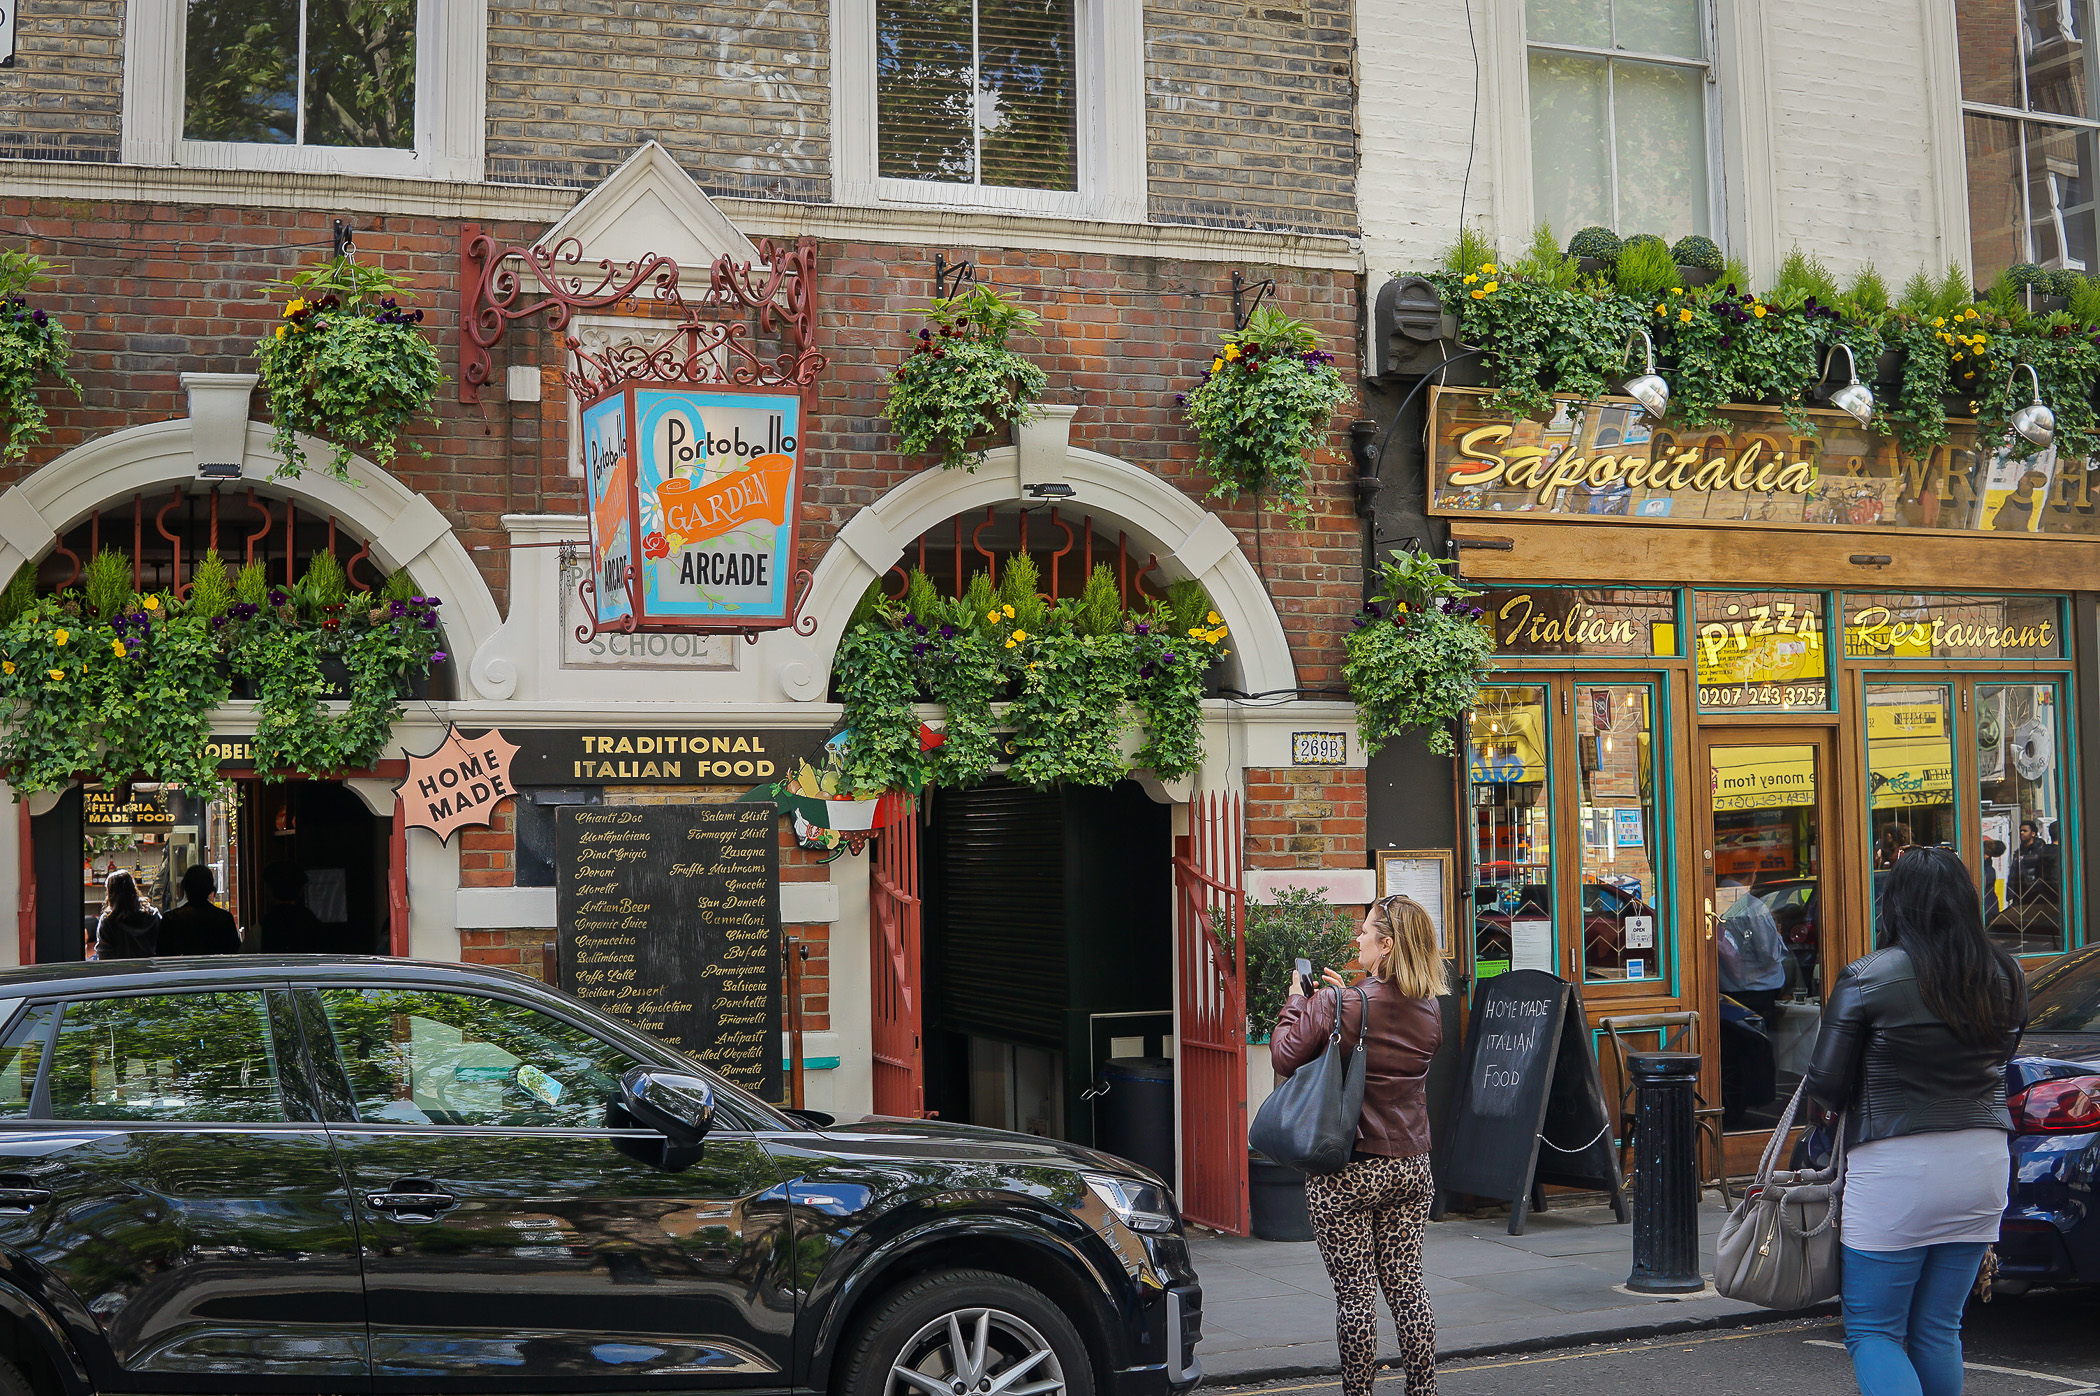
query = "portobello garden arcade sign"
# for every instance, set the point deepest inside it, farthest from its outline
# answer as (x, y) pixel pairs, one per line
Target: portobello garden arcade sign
(1606, 459)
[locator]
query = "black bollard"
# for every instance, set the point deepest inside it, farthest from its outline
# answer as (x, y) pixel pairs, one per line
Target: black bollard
(1666, 1174)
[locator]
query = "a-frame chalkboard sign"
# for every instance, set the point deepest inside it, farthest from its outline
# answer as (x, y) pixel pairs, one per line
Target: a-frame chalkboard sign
(1530, 1106)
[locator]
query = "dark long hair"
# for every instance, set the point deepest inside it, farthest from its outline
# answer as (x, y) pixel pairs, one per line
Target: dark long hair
(123, 895)
(1931, 908)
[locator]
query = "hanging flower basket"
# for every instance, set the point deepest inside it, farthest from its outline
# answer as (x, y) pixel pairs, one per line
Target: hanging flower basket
(33, 350)
(1262, 406)
(960, 381)
(1418, 655)
(347, 362)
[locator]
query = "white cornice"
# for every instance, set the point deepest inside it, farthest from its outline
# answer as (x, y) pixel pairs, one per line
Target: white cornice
(533, 204)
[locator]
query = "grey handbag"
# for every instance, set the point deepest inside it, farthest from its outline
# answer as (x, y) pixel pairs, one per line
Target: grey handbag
(1780, 1247)
(1310, 1120)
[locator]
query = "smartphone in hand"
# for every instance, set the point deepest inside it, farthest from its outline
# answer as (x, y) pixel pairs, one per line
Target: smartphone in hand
(1307, 980)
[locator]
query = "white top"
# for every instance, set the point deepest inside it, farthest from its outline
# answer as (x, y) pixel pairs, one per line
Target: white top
(1926, 1189)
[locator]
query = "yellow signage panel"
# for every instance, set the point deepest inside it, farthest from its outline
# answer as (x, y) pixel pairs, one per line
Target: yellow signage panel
(1763, 777)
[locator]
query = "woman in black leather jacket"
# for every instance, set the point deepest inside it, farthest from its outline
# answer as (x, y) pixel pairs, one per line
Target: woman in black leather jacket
(1913, 1050)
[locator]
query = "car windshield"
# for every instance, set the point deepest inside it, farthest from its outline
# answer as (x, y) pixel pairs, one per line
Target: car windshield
(2066, 998)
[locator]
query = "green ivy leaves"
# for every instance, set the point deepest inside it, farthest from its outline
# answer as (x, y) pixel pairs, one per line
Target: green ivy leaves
(1262, 405)
(33, 347)
(962, 381)
(1418, 654)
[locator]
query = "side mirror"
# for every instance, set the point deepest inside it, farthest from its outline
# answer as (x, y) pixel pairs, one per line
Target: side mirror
(676, 1104)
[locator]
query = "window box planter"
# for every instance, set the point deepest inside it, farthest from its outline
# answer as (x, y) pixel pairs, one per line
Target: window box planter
(1698, 276)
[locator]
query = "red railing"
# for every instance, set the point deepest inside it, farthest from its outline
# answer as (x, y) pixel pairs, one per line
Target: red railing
(1209, 899)
(900, 1063)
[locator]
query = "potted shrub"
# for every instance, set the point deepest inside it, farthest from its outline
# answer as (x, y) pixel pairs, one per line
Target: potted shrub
(33, 349)
(2036, 288)
(1595, 249)
(961, 382)
(1699, 261)
(1297, 924)
(1263, 404)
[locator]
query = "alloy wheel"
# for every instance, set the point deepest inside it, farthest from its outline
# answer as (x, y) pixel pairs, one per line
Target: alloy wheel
(977, 1352)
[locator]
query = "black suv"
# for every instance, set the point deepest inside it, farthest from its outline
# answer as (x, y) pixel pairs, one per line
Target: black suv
(334, 1175)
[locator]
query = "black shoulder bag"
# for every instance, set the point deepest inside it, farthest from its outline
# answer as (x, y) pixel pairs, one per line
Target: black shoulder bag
(1310, 1120)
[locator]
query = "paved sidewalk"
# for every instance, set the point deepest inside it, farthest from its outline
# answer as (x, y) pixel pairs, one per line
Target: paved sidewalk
(1268, 1310)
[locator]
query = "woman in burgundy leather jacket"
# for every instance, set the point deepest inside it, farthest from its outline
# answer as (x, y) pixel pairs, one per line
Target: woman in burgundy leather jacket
(1369, 1217)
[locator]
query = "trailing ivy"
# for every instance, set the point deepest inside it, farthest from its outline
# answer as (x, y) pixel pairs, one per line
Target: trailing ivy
(1263, 404)
(1418, 654)
(33, 350)
(960, 379)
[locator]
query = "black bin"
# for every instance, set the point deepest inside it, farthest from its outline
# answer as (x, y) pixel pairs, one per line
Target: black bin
(1134, 1112)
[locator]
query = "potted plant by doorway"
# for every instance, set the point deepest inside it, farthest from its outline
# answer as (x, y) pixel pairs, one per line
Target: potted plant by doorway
(961, 382)
(1298, 924)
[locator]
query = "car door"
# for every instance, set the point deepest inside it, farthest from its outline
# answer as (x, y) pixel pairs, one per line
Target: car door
(167, 1187)
(514, 1238)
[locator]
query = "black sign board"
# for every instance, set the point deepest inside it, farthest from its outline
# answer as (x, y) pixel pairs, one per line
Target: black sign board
(669, 918)
(660, 756)
(1531, 1103)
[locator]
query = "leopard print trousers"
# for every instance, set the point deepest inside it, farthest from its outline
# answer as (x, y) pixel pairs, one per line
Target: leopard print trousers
(1369, 1220)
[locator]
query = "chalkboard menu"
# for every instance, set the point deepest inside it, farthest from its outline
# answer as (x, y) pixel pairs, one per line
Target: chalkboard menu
(1531, 1104)
(669, 918)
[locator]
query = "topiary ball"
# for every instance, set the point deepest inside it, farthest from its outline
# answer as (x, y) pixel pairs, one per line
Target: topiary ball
(1638, 238)
(1601, 243)
(2064, 282)
(2024, 274)
(1699, 252)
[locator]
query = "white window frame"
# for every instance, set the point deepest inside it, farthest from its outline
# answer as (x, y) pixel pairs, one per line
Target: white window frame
(451, 102)
(1109, 45)
(1706, 64)
(2023, 117)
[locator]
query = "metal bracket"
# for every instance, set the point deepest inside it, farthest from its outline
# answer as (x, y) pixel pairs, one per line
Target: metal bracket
(949, 278)
(345, 237)
(1242, 311)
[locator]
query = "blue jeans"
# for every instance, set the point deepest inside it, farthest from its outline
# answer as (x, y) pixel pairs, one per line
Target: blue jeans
(1903, 1317)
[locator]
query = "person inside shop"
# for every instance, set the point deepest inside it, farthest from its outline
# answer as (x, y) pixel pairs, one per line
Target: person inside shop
(197, 927)
(1993, 850)
(2030, 879)
(1912, 1049)
(1895, 841)
(289, 927)
(1753, 957)
(128, 928)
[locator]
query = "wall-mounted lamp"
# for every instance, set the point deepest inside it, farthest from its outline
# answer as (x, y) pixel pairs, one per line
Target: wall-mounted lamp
(1049, 489)
(2035, 421)
(1855, 399)
(1648, 389)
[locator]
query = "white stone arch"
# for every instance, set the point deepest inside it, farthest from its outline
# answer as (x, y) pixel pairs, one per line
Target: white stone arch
(1189, 540)
(406, 530)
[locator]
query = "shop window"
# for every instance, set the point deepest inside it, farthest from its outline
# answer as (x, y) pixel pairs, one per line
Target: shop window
(1910, 771)
(1761, 651)
(2019, 741)
(1930, 625)
(204, 1058)
(1598, 622)
(2028, 116)
(322, 86)
(1512, 831)
(1621, 125)
(1623, 935)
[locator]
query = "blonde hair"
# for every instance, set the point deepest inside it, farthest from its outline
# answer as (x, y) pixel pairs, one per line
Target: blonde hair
(1412, 964)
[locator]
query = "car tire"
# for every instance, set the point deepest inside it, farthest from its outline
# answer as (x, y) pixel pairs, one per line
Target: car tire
(12, 1382)
(1003, 1325)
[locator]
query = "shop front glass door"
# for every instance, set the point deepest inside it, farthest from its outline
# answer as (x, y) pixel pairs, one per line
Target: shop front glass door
(1624, 931)
(1765, 901)
(1510, 782)
(2019, 741)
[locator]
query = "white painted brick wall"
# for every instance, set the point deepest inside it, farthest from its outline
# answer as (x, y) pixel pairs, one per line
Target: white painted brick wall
(1416, 80)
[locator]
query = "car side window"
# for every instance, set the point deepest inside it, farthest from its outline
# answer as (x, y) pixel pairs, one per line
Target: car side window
(21, 1053)
(204, 1057)
(418, 1056)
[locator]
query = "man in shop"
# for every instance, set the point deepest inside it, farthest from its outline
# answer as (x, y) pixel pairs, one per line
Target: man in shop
(289, 927)
(197, 927)
(1753, 957)
(2030, 883)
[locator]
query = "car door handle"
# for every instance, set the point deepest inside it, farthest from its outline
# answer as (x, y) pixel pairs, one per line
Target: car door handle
(411, 1195)
(17, 1197)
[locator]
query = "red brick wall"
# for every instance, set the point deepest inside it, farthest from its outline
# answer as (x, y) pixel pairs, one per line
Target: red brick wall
(489, 857)
(1298, 818)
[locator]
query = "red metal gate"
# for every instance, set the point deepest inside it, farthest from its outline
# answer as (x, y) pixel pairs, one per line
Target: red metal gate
(900, 1065)
(1208, 901)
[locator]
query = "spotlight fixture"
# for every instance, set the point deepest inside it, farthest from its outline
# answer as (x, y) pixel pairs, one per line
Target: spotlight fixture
(1855, 399)
(2035, 421)
(1648, 389)
(1049, 489)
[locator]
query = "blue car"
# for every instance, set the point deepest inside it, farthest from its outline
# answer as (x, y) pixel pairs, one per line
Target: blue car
(2051, 1233)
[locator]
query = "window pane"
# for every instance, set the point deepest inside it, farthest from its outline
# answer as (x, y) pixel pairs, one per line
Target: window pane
(1988, 38)
(205, 1058)
(20, 1055)
(1660, 26)
(1760, 651)
(2059, 77)
(1940, 625)
(1585, 22)
(2017, 737)
(1997, 199)
(1027, 107)
(1910, 773)
(240, 72)
(2060, 196)
(1570, 135)
(1622, 932)
(1660, 122)
(923, 82)
(1580, 620)
(1512, 832)
(361, 73)
(416, 1057)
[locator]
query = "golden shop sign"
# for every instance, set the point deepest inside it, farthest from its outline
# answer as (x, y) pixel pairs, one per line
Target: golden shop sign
(661, 756)
(1606, 459)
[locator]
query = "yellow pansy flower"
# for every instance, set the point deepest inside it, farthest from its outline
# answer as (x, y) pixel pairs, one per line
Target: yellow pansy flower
(1477, 293)
(1758, 311)
(1469, 281)
(116, 647)
(56, 674)
(1684, 317)
(1007, 611)
(1677, 290)
(1938, 320)
(1232, 351)
(1215, 619)
(281, 329)
(151, 603)
(1492, 287)
(7, 666)
(1216, 364)
(298, 304)
(61, 637)
(1197, 633)
(991, 615)
(1487, 268)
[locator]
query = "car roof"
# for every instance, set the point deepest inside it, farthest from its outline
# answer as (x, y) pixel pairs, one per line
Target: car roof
(196, 971)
